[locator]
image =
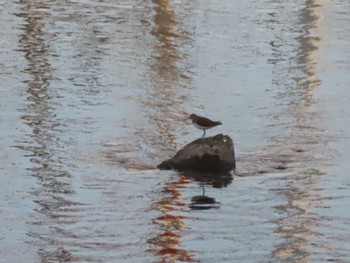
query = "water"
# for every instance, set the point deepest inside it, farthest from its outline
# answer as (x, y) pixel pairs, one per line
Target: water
(94, 96)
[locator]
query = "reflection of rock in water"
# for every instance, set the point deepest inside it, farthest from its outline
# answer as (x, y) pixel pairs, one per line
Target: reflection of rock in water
(216, 180)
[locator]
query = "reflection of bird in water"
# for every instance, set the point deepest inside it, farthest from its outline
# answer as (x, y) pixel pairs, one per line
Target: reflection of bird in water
(203, 123)
(202, 202)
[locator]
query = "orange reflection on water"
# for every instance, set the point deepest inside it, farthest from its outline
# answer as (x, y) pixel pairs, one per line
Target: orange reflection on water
(298, 226)
(167, 243)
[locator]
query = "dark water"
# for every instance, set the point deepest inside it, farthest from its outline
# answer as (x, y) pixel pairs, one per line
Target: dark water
(94, 96)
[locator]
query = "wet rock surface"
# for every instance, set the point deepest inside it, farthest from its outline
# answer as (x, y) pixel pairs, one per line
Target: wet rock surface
(212, 154)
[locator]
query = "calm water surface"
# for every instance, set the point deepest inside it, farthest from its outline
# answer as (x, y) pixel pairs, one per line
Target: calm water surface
(94, 96)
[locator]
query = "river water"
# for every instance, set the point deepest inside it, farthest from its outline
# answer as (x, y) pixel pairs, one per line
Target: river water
(94, 94)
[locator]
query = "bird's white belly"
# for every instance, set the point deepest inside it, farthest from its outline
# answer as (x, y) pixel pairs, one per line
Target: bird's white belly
(201, 127)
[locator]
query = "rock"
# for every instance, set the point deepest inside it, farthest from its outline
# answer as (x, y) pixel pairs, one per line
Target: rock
(212, 154)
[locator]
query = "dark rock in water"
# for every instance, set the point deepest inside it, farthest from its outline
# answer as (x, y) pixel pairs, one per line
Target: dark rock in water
(212, 154)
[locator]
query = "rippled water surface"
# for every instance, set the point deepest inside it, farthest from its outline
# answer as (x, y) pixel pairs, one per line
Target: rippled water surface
(94, 94)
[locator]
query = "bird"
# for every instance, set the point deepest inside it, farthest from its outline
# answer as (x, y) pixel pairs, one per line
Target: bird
(203, 123)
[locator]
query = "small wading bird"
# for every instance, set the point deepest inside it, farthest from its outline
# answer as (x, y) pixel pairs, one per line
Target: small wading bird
(203, 123)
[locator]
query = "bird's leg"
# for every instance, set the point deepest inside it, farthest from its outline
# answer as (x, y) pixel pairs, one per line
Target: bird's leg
(203, 136)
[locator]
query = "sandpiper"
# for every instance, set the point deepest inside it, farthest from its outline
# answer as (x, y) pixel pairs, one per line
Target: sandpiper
(203, 123)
